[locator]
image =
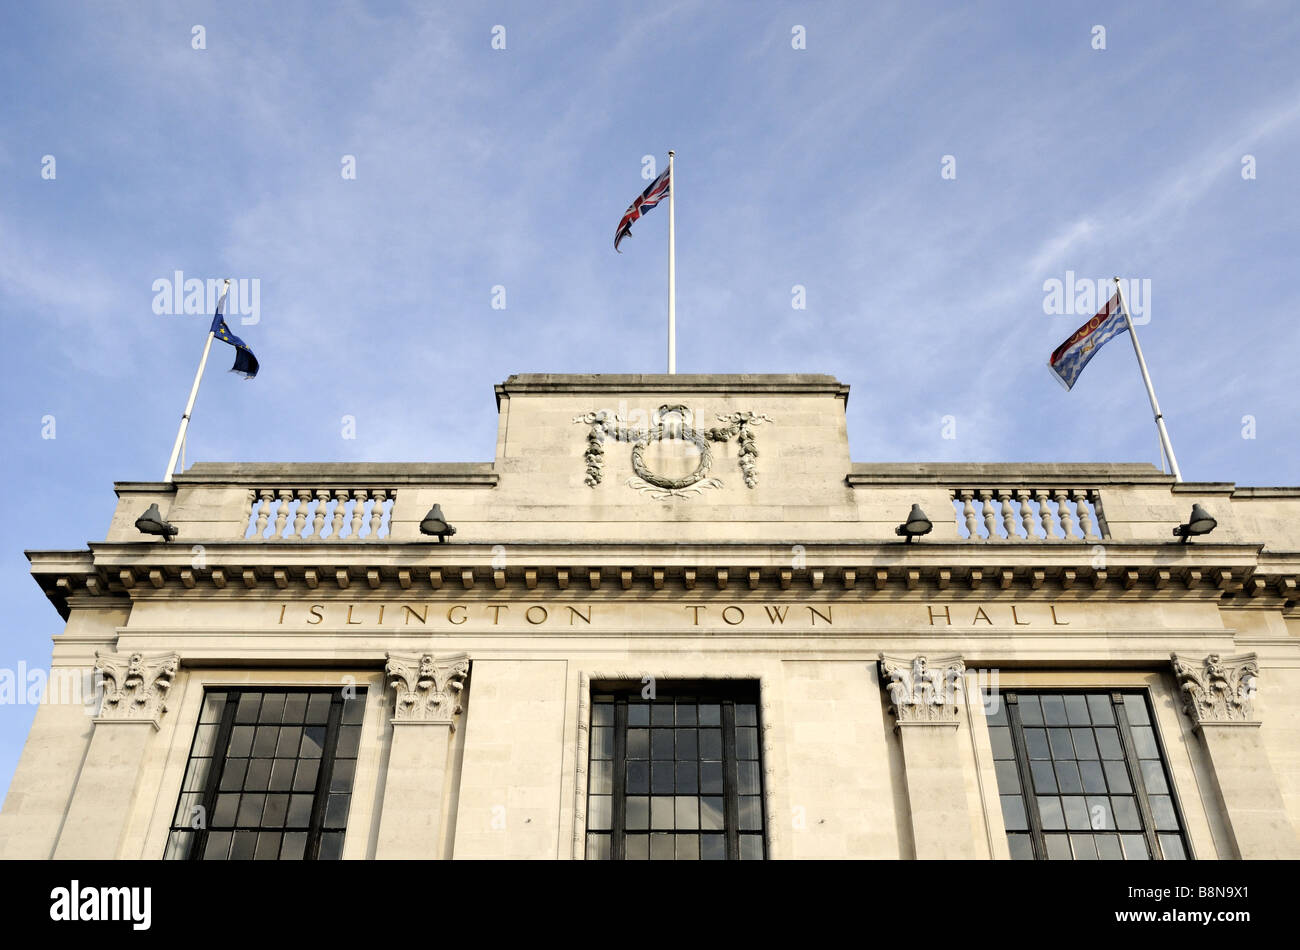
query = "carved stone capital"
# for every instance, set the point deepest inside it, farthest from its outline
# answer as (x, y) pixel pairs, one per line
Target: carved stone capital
(135, 686)
(428, 688)
(1218, 688)
(923, 690)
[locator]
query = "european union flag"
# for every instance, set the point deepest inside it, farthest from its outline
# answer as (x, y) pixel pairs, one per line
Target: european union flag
(245, 361)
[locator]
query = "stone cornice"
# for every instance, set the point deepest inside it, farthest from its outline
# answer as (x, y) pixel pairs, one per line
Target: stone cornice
(1012, 474)
(1152, 572)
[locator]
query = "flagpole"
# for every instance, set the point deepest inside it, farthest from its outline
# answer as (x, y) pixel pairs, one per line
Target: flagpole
(672, 266)
(194, 392)
(1151, 392)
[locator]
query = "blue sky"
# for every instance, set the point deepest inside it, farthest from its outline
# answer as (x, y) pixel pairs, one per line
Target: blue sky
(478, 167)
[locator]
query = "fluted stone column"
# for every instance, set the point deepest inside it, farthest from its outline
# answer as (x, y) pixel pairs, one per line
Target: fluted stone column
(924, 694)
(1218, 695)
(425, 709)
(135, 693)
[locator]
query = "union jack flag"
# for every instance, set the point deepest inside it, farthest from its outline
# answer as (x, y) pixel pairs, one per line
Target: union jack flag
(657, 191)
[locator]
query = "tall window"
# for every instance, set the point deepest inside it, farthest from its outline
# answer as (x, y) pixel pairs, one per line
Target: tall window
(269, 775)
(1082, 777)
(678, 777)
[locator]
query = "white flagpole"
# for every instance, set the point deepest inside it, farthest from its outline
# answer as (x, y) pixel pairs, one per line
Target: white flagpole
(672, 265)
(194, 392)
(1151, 392)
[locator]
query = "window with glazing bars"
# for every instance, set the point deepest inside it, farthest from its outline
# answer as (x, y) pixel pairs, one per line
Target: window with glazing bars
(1082, 776)
(269, 775)
(677, 777)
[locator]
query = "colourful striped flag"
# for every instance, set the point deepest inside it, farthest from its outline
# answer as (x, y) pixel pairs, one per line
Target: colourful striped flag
(1069, 359)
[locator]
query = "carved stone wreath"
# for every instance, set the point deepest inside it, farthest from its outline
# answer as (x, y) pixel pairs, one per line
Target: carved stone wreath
(605, 425)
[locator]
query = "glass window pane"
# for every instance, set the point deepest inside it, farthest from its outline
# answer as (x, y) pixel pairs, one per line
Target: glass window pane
(1135, 705)
(1067, 774)
(602, 714)
(1100, 817)
(243, 846)
(1162, 810)
(1062, 747)
(1144, 739)
(1000, 739)
(601, 781)
(637, 847)
(349, 742)
(331, 846)
(318, 708)
(751, 847)
(1084, 746)
(661, 812)
(232, 777)
(661, 714)
(638, 743)
(1058, 847)
(1108, 848)
(1022, 847)
(1153, 777)
(687, 746)
(241, 741)
(711, 813)
(281, 774)
(687, 812)
(295, 709)
(1044, 777)
(1094, 779)
(272, 708)
(713, 848)
(995, 710)
(275, 812)
(602, 742)
(223, 815)
(1076, 813)
(1099, 707)
(336, 810)
(747, 778)
(1054, 710)
(710, 744)
(214, 705)
(711, 778)
(287, 743)
(304, 780)
(1076, 710)
(1135, 848)
(313, 742)
(1013, 813)
(661, 742)
(637, 816)
(1117, 778)
(1083, 847)
(688, 847)
(599, 812)
(1126, 813)
(688, 779)
(246, 710)
(686, 714)
(598, 847)
(663, 847)
(205, 737)
(1031, 711)
(747, 743)
(250, 810)
(299, 811)
(638, 778)
(1109, 744)
(746, 714)
(1036, 743)
(1171, 846)
(661, 778)
(638, 714)
(293, 846)
(268, 846)
(341, 777)
(1049, 811)
(710, 714)
(750, 817)
(218, 846)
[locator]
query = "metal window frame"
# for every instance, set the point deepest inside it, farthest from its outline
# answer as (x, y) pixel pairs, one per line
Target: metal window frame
(221, 744)
(1131, 761)
(727, 695)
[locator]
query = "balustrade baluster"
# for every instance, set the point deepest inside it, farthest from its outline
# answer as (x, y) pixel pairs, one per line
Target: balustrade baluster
(340, 511)
(266, 497)
(968, 509)
(282, 512)
(990, 513)
(377, 512)
(1085, 517)
(1008, 515)
(1063, 512)
(1044, 513)
(1026, 513)
(358, 512)
(318, 521)
(300, 516)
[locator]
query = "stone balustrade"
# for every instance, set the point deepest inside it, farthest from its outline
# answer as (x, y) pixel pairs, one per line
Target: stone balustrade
(1029, 514)
(318, 514)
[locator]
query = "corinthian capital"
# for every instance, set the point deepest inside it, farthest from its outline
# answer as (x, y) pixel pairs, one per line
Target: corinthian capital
(923, 690)
(135, 686)
(428, 688)
(1217, 689)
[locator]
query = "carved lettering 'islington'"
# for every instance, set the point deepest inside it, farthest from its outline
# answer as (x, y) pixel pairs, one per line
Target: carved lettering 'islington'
(748, 615)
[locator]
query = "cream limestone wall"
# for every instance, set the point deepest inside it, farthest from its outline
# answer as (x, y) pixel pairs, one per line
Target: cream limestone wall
(552, 585)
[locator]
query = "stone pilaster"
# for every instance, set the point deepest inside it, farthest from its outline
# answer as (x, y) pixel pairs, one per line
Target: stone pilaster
(135, 693)
(925, 694)
(426, 704)
(1219, 697)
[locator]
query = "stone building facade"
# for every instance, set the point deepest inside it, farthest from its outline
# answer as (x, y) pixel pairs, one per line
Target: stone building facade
(674, 620)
